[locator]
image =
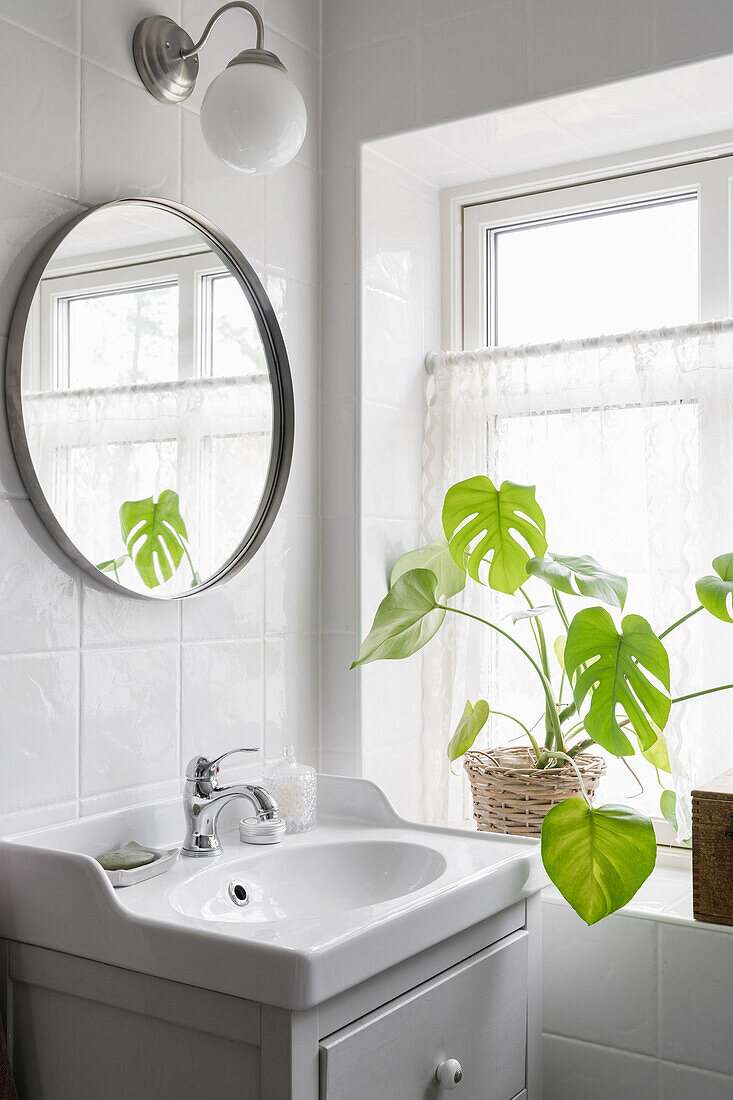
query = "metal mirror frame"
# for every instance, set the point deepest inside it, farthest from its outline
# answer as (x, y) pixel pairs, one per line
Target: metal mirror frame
(283, 406)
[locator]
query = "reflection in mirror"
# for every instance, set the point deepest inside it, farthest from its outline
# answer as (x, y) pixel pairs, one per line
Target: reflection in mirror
(146, 399)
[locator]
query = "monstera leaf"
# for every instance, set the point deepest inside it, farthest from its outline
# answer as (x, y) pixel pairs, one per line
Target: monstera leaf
(598, 858)
(473, 720)
(614, 676)
(406, 619)
(713, 592)
(481, 523)
(154, 534)
(437, 558)
(581, 576)
(113, 565)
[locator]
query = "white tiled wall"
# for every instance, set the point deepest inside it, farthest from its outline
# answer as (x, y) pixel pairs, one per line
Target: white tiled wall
(105, 698)
(399, 308)
(635, 1008)
(392, 65)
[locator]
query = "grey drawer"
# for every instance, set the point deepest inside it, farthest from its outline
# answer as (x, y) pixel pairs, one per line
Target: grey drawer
(475, 1012)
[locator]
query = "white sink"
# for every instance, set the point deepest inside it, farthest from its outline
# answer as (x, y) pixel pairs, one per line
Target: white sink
(325, 910)
(308, 883)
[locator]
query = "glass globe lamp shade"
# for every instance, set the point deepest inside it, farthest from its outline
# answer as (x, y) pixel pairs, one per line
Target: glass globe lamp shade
(253, 117)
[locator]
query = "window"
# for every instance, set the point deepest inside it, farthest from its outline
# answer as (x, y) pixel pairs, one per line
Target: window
(609, 270)
(636, 481)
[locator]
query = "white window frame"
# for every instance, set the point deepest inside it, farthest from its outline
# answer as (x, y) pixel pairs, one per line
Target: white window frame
(468, 214)
(189, 270)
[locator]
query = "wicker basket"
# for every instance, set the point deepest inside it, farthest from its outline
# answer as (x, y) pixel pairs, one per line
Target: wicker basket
(511, 796)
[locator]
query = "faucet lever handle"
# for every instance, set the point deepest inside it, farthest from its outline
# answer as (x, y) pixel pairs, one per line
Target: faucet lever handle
(202, 770)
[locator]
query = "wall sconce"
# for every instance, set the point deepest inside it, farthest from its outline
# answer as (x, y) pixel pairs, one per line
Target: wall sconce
(253, 117)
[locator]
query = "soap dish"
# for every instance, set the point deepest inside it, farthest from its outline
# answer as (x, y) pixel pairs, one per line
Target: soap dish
(252, 830)
(164, 858)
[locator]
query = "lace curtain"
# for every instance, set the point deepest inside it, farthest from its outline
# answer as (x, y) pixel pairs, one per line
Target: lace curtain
(629, 440)
(209, 439)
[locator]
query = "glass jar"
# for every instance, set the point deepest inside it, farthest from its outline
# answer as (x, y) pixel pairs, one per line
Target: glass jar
(293, 788)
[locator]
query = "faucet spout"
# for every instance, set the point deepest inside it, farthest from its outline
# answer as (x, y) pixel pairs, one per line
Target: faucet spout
(204, 799)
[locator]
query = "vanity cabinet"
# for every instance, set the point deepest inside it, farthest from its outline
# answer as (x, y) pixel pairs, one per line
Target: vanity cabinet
(84, 1029)
(475, 1013)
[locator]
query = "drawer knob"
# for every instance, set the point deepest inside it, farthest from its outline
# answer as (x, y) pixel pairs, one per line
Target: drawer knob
(449, 1074)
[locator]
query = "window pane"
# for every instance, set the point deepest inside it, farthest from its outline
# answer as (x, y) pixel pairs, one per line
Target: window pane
(123, 337)
(611, 271)
(236, 347)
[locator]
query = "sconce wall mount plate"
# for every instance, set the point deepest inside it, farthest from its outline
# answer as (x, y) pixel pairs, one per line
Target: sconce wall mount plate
(157, 48)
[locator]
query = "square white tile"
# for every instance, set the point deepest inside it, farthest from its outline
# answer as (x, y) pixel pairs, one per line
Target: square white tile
(685, 31)
(130, 142)
(107, 30)
(696, 996)
(292, 208)
(575, 45)
(292, 576)
(110, 618)
(57, 20)
(473, 64)
(30, 219)
(233, 609)
(350, 23)
(129, 718)
(39, 125)
(340, 225)
(299, 20)
(222, 699)
(340, 687)
(292, 694)
(235, 203)
(39, 695)
(338, 354)
(339, 575)
(686, 1083)
(338, 459)
(619, 1006)
(579, 1071)
(39, 586)
(367, 93)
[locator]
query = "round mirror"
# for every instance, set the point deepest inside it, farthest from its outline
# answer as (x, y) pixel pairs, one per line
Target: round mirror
(149, 399)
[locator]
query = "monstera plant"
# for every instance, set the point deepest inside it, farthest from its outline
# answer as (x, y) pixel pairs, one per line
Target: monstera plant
(156, 540)
(613, 667)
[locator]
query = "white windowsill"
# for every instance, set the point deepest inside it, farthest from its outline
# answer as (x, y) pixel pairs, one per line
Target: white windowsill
(665, 896)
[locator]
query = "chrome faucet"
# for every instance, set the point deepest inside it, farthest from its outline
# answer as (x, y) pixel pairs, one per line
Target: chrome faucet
(204, 799)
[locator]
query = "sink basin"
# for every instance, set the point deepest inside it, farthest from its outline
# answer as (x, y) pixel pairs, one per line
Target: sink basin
(308, 883)
(325, 910)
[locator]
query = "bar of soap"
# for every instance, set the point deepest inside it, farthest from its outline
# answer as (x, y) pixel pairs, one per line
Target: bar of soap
(124, 859)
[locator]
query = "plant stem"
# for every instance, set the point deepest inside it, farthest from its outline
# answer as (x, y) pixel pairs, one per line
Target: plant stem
(546, 685)
(564, 756)
(680, 621)
(705, 691)
(535, 746)
(560, 609)
(539, 633)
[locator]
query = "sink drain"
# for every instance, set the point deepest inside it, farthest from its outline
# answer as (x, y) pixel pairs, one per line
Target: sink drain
(238, 893)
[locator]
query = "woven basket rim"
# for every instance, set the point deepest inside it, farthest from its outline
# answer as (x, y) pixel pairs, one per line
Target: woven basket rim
(484, 759)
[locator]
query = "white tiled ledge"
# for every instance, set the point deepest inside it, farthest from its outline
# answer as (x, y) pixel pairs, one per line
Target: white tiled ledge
(665, 896)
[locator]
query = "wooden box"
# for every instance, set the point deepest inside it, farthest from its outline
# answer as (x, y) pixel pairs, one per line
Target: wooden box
(712, 850)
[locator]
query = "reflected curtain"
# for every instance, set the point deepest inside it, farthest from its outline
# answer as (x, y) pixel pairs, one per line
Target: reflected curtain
(629, 440)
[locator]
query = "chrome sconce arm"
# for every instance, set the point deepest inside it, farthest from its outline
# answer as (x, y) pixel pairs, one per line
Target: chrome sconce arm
(166, 57)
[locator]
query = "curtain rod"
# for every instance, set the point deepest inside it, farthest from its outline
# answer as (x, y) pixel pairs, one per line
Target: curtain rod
(492, 354)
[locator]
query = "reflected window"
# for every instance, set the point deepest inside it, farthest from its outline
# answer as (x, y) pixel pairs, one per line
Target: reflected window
(120, 337)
